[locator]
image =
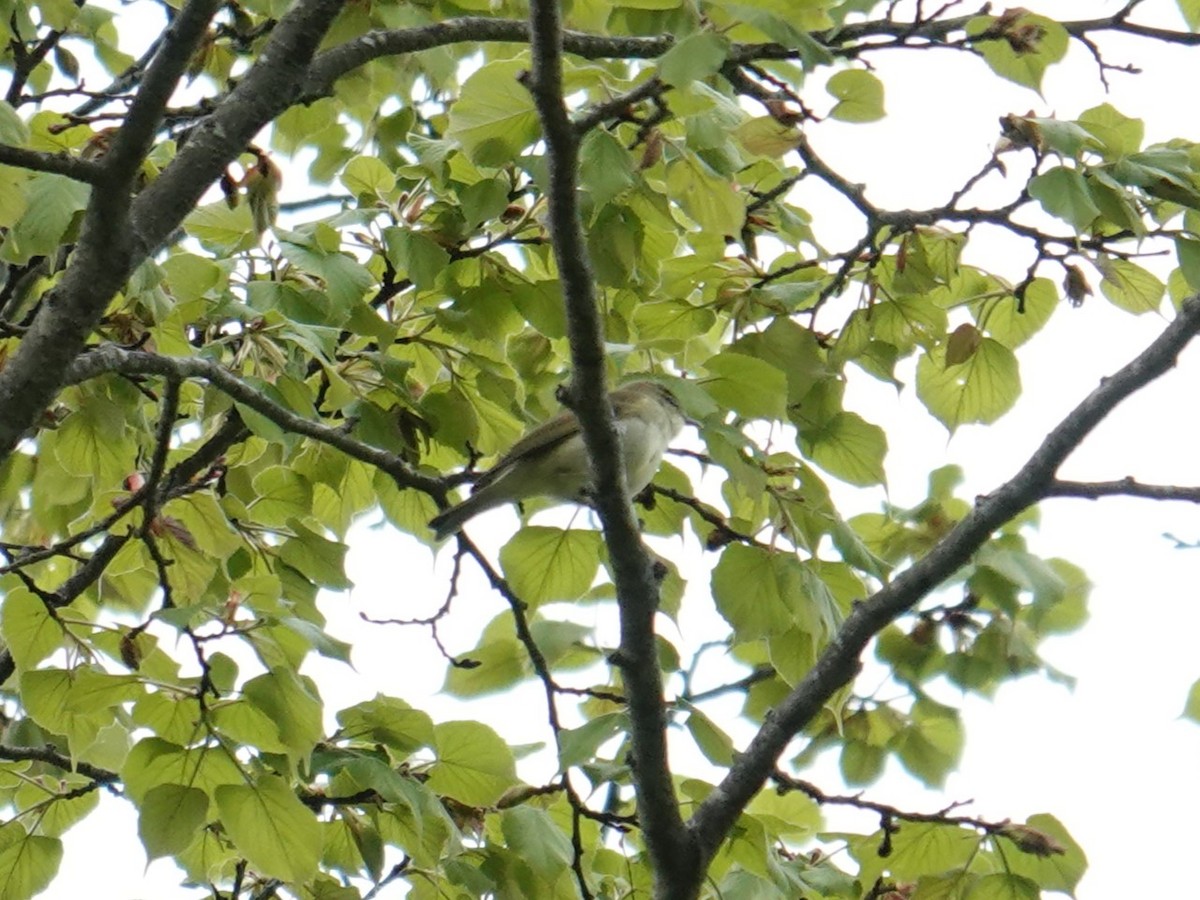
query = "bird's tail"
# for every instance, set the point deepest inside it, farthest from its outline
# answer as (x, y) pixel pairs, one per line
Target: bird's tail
(452, 520)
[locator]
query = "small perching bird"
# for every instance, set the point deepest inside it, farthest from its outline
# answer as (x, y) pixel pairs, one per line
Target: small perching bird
(551, 460)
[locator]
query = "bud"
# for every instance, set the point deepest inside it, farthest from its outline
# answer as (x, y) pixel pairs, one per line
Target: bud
(1032, 840)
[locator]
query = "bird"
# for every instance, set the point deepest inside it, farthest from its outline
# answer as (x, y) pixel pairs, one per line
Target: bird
(551, 460)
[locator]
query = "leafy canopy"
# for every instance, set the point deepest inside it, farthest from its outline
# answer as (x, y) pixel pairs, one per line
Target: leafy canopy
(203, 394)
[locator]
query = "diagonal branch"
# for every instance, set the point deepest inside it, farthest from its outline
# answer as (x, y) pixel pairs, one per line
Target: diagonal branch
(270, 86)
(666, 839)
(104, 256)
(109, 250)
(112, 358)
(136, 135)
(839, 662)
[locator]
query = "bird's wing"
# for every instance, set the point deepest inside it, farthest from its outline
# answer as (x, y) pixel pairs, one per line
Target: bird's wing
(536, 442)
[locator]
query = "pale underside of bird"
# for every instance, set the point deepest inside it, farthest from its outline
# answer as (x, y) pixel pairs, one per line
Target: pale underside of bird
(551, 460)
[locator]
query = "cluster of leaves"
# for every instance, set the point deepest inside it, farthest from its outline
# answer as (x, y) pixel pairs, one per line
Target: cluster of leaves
(169, 523)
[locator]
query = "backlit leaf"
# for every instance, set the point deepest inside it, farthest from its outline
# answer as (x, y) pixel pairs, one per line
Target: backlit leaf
(267, 823)
(474, 764)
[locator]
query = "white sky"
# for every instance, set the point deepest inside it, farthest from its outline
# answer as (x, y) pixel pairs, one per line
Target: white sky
(1111, 759)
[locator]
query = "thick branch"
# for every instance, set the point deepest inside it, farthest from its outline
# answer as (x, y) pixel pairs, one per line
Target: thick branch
(270, 86)
(331, 65)
(666, 839)
(849, 40)
(109, 249)
(56, 163)
(839, 663)
(136, 136)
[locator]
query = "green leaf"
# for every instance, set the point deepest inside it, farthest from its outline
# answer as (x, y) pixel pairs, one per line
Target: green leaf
(344, 280)
(64, 811)
(30, 632)
(767, 136)
(790, 814)
(1191, 709)
(495, 666)
(92, 690)
(930, 747)
(28, 865)
(268, 824)
(758, 591)
(847, 447)
(190, 277)
(483, 201)
(44, 694)
(1003, 886)
(539, 842)
(548, 564)
(94, 441)
(280, 493)
(605, 167)
(494, 118)
(695, 57)
(13, 129)
(1188, 251)
(715, 744)
(415, 254)
(580, 745)
(917, 849)
(775, 21)
(1064, 193)
(1067, 138)
(859, 94)
(169, 817)
(979, 390)
(371, 772)
(388, 721)
(292, 703)
(474, 764)
(747, 385)
(222, 230)
(861, 763)
(1118, 134)
(1057, 872)
(1003, 320)
(153, 761)
(1130, 287)
(1037, 43)
(247, 724)
(316, 556)
(51, 205)
(709, 199)
(368, 177)
(1191, 12)
(670, 324)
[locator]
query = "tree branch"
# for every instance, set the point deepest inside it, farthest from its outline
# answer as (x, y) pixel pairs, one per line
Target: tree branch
(52, 757)
(136, 135)
(84, 170)
(112, 358)
(270, 86)
(108, 252)
(1125, 487)
(839, 662)
(672, 853)
(331, 65)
